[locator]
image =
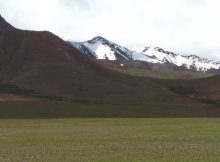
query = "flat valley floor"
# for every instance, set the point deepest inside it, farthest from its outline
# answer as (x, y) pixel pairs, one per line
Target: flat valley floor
(110, 140)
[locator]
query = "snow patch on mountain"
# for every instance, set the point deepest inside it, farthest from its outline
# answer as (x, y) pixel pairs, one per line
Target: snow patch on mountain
(101, 50)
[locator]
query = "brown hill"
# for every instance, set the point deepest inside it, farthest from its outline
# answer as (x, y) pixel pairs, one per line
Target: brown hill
(46, 64)
(43, 62)
(206, 90)
(4, 25)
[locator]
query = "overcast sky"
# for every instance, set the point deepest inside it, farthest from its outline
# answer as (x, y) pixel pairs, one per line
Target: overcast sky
(186, 26)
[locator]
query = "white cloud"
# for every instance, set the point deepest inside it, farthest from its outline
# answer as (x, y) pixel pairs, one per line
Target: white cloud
(180, 25)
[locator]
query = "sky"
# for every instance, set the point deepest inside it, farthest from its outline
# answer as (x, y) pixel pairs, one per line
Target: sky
(184, 26)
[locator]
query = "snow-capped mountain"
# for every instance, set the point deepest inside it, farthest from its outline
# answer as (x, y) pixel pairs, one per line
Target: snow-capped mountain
(191, 62)
(101, 48)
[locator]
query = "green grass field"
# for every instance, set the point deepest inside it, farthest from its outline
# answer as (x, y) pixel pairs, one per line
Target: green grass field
(110, 140)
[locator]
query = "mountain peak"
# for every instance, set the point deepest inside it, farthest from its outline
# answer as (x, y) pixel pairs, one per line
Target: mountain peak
(4, 25)
(98, 38)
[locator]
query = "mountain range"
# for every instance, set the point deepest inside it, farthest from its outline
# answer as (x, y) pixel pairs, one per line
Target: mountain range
(103, 49)
(40, 65)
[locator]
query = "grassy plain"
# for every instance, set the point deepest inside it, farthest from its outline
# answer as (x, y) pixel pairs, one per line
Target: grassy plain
(110, 140)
